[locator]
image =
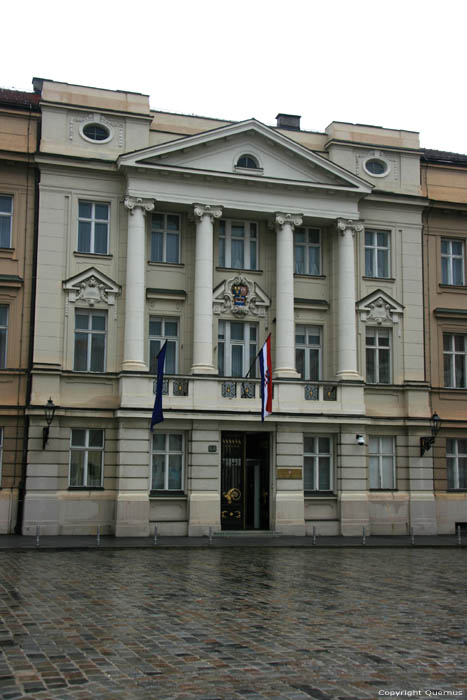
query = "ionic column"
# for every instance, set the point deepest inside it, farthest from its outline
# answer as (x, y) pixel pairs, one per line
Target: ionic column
(133, 347)
(346, 321)
(202, 322)
(285, 325)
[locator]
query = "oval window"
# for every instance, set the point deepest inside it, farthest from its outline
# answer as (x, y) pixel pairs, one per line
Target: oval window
(376, 166)
(247, 161)
(96, 132)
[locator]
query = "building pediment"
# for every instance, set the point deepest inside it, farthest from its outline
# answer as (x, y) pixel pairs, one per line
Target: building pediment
(239, 296)
(217, 152)
(91, 287)
(379, 308)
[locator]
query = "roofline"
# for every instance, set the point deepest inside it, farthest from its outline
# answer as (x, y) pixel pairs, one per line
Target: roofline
(88, 87)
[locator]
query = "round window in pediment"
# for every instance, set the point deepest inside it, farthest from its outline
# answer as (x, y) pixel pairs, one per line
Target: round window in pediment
(247, 161)
(93, 131)
(376, 167)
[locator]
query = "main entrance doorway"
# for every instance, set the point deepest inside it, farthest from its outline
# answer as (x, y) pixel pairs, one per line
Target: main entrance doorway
(245, 481)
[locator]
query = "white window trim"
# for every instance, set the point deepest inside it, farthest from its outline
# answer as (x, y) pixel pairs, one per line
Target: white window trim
(307, 245)
(374, 248)
(450, 257)
(162, 338)
(246, 244)
(93, 221)
(164, 232)
(376, 348)
(380, 454)
(452, 354)
(166, 454)
(10, 217)
(4, 364)
(306, 346)
(316, 456)
(90, 332)
(245, 343)
(456, 455)
(86, 449)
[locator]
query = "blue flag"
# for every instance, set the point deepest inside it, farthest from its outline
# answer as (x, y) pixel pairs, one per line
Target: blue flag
(157, 415)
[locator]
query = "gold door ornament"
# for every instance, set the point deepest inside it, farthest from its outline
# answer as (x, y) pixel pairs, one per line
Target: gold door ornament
(232, 494)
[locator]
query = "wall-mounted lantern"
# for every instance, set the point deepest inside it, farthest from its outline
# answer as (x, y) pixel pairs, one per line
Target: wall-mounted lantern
(427, 442)
(49, 412)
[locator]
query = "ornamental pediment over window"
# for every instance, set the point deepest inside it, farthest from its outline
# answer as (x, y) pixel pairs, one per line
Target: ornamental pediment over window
(380, 309)
(91, 287)
(239, 296)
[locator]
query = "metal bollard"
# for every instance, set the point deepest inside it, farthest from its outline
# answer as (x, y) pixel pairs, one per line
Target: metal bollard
(210, 535)
(155, 534)
(314, 534)
(98, 535)
(459, 538)
(412, 536)
(364, 536)
(38, 535)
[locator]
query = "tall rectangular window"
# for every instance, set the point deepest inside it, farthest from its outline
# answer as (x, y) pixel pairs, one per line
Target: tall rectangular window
(378, 355)
(165, 238)
(86, 457)
(161, 330)
(307, 249)
(455, 360)
(308, 352)
(3, 334)
(238, 244)
(93, 228)
(377, 253)
(452, 261)
(317, 464)
(236, 348)
(90, 341)
(382, 463)
(167, 462)
(456, 458)
(6, 217)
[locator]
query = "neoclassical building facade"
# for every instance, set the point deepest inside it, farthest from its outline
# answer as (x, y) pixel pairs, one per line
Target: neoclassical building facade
(212, 235)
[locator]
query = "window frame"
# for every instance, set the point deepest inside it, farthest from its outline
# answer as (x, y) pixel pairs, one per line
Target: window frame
(308, 246)
(378, 330)
(249, 349)
(452, 354)
(165, 232)
(167, 452)
(8, 215)
(93, 220)
(86, 448)
(315, 455)
(455, 455)
(4, 333)
(380, 454)
(224, 229)
(91, 333)
(374, 248)
(451, 257)
(308, 348)
(161, 339)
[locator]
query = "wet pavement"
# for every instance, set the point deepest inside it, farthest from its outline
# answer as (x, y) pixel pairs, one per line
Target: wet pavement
(228, 623)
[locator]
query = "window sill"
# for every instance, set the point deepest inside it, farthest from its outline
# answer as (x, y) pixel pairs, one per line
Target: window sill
(383, 490)
(304, 275)
(239, 269)
(100, 256)
(167, 494)
(378, 279)
(7, 252)
(453, 287)
(159, 263)
(86, 488)
(320, 494)
(456, 490)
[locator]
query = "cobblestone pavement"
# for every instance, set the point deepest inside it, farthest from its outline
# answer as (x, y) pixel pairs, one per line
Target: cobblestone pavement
(225, 624)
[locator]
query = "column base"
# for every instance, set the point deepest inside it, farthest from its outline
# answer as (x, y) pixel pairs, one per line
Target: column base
(204, 369)
(133, 366)
(349, 374)
(285, 373)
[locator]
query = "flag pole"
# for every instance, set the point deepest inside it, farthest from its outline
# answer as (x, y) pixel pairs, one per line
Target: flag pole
(257, 355)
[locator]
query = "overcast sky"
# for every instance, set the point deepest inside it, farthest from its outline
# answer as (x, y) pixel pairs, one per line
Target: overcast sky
(398, 64)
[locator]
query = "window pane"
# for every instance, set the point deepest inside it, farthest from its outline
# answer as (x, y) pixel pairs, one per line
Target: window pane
(237, 361)
(445, 270)
(173, 222)
(444, 246)
(236, 330)
(309, 444)
(450, 446)
(3, 347)
(81, 352)
(222, 252)
(78, 438)
(238, 230)
(220, 359)
(459, 343)
(462, 446)
(81, 321)
(77, 468)
(158, 442)
(382, 239)
(324, 474)
(387, 473)
(313, 236)
(6, 205)
(324, 445)
(463, 473)
(175, 471)
(448, 371)
(374, 445)
(314, 261)
(158, 467)
(98, 353)
(308, 474)
(84, 237)
(451, 472)
(370, 366)
(100, 238)
(155, 326)
(387, 445)
(369, 271)
(368, 238)
(172, 247)
(96, 438)
(85, 210)
(98, 322)
(383, 268)
(457, 247)
(300, 260)
(300, 332)
(171, 329)
(237, 254)
(384, 370)
(94, 468)
(447, 341)
(157, 247)
(102, 212)
(300, 235)
(374, 473)
(5, 228)
(459, 370)
(158, 221)
(300, 362)
(458, 271)
(314, 364)
(170, 358)
(154, 348)
(253, 255)
(175, 443)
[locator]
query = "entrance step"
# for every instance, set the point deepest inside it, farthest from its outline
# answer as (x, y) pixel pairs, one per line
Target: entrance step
(246, 533)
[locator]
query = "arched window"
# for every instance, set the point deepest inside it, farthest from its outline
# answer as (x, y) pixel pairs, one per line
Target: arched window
(247, 161)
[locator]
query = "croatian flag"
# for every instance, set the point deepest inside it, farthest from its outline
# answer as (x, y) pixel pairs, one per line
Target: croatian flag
(157, 415)
(265, 365)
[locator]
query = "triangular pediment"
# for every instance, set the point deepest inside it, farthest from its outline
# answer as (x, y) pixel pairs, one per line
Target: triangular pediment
(91, 287)
(216, 153)
(379, 308)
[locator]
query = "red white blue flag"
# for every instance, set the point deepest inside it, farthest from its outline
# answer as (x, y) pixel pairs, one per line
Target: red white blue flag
(265, 365)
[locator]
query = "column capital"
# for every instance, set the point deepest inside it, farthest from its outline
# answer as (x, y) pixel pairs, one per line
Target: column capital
(293, 220)
(211, 210)
(344, 225)
(131, 203)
